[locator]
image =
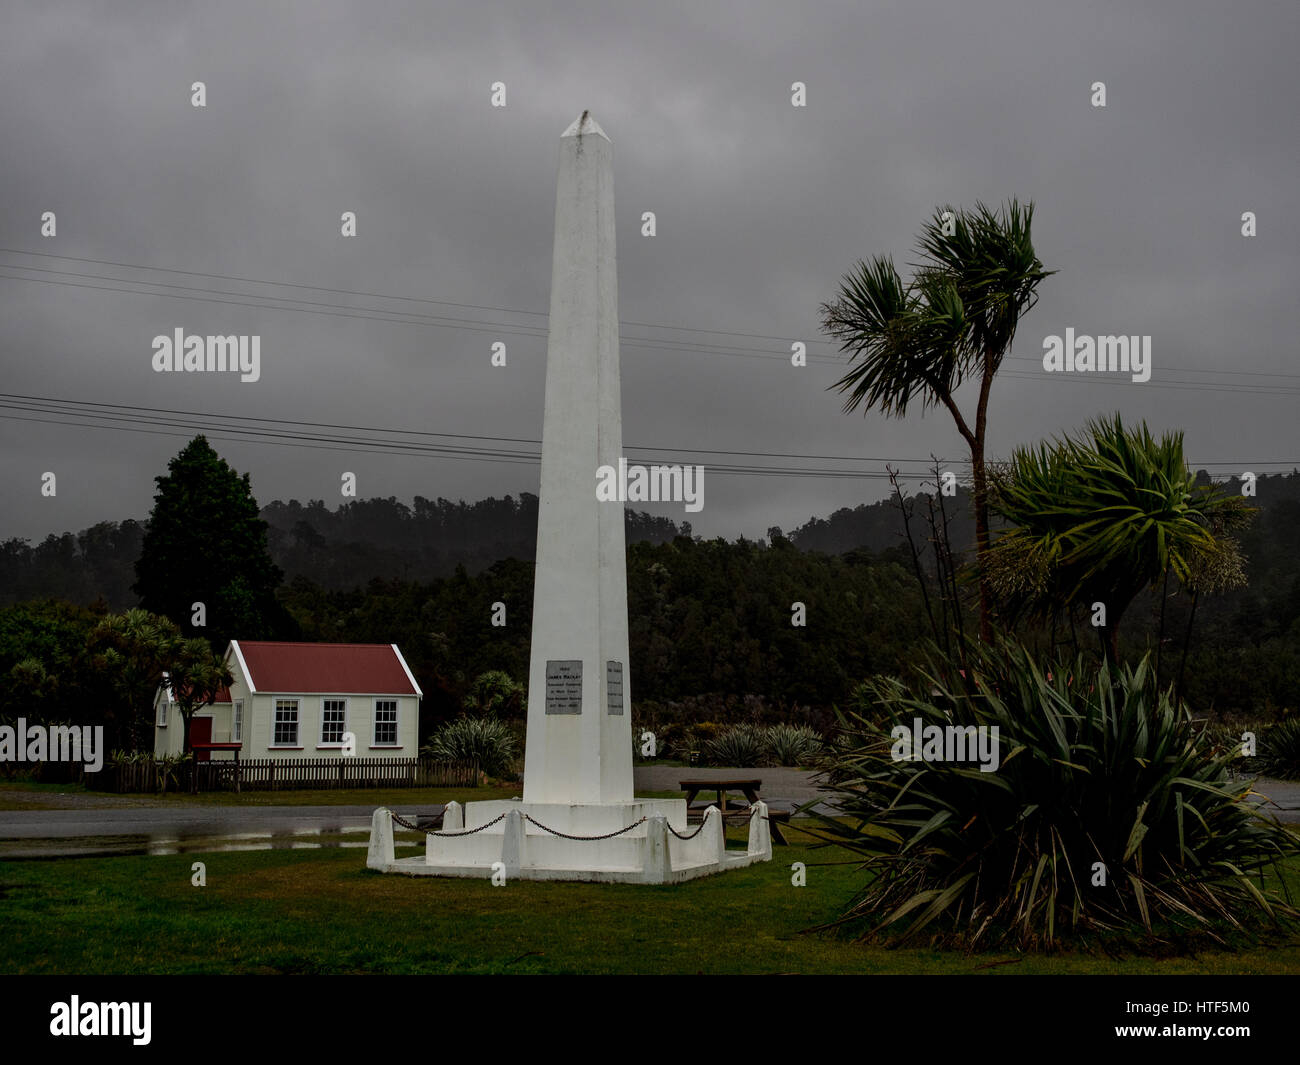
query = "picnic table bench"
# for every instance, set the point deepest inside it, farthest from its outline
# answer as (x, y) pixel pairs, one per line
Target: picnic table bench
(737, 808)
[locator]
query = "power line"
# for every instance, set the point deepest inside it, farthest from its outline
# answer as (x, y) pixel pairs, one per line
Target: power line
(373, 295)
(87, 405)
(712, 469)
(337, 291)
(405, 318)
(131, 422)
(134, 423)
(652, 343)
(466, 323)
(257, 281)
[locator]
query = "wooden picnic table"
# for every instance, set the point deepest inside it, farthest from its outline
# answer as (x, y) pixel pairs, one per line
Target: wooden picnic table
(748, 785)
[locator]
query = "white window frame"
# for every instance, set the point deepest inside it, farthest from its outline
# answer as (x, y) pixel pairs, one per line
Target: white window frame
(396, 723)
(237, 721)
(322, 742)
(161, 720)
(297, 724)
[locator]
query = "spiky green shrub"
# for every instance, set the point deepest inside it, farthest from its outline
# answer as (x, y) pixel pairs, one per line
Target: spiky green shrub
(787, 744)
(485, 740)
(170, 770)
(1222, 737)
(736, 745)
(1096, 765)
(1098, 517)
(1279, 751)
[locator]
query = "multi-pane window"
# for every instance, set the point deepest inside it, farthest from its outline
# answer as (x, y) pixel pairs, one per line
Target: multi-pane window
(237, 722)
(286, 723)
(333, 720)
(385, 722)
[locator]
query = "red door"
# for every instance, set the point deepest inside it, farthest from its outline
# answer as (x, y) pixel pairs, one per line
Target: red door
(201, 732)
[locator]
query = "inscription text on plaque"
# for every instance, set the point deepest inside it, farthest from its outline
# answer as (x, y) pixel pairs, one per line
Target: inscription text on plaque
(564, 686)
(614, 686)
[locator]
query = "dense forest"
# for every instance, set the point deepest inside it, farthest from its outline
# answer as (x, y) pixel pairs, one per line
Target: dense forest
(376, 538)
(711, 620)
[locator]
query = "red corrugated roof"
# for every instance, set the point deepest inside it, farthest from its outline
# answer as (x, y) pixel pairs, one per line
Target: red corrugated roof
(328, 668)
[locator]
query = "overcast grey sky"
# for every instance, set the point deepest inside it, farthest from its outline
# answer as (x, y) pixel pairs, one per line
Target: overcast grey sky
(385, 109)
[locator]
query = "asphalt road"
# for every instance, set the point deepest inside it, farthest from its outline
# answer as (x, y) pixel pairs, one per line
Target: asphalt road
(782, 788)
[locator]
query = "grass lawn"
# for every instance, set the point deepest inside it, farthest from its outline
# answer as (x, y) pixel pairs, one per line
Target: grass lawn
(308, 911)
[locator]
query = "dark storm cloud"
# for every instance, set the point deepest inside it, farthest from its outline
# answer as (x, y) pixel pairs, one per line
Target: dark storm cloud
(314, 109)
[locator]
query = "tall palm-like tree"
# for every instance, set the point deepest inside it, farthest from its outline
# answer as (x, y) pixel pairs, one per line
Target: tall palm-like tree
(131, 651)
(953, 322)
(1098, 518)
(195, 674)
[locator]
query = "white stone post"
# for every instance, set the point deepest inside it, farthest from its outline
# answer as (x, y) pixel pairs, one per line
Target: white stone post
(514, 844)
(715, 831)
(657, 860)
(380, 854)
(760, 831)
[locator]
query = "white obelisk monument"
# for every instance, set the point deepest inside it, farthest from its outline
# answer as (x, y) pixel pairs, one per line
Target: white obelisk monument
(579, 743)
(578, 818)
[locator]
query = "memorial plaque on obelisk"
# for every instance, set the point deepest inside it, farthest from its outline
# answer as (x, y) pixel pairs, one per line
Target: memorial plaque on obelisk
(579, 743)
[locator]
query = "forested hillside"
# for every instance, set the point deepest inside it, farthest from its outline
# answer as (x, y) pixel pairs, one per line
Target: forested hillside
(709, 619)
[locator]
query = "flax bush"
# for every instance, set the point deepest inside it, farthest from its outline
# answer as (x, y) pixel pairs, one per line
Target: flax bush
(1110, 816)
(791, 744)
(485, 740)
(737, 745)
(1279, 751)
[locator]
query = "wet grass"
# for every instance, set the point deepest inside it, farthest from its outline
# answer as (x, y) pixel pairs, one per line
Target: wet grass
(321, 911)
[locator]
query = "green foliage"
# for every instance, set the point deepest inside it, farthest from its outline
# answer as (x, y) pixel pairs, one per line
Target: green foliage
(745, 744)
(791, 745)
(1096, 766)
(42, 673)
(1099, 518)
(485, 740)
(737, 745)
(1279, 751)
(978, 275)
(205, 543)
(953, 322)
(170, 771)
(706, 630)
(679, 740)
(497, 693)
(195, 674)
(1223, 737)
(131, 651)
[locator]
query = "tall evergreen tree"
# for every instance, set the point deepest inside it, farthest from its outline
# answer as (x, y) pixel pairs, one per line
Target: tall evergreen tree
(205, 543)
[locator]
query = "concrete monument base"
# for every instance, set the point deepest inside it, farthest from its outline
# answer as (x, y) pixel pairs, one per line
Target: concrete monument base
(638, 842)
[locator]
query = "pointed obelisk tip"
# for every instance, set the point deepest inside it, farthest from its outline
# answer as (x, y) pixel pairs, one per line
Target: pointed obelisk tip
(584, 125)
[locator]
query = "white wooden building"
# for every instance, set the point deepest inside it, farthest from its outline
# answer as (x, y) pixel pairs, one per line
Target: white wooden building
(301, 700)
